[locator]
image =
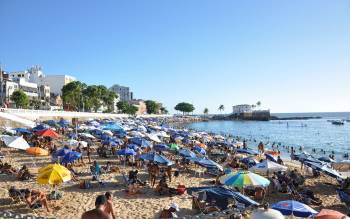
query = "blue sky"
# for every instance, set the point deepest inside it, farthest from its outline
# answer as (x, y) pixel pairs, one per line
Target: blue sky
(293, 56)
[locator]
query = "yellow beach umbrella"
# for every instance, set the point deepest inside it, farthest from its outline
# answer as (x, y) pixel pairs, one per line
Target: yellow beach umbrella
(53, 174)
(37, 151)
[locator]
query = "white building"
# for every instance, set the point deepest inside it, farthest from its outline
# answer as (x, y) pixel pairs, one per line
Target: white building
(36, 75)
(29, 88)
(242, 108)
(8, 88)
(56, 82)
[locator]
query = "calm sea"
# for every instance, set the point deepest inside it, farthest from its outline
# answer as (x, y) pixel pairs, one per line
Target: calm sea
(313, 133)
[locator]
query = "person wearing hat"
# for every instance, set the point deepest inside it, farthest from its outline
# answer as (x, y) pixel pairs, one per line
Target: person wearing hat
(99, 211)
(170, 212)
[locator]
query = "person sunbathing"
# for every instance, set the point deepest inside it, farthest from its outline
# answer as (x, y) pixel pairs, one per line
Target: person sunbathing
(8, 169)
(36, 199)
(24, 174)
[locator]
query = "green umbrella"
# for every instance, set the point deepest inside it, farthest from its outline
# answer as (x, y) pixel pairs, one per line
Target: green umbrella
(174, 147)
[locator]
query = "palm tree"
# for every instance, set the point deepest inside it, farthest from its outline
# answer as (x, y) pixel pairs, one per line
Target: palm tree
(258, 104)
(221, 108)
(206, 111)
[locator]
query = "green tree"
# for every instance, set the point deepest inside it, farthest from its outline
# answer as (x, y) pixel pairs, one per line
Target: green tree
(91, 98)
(122, 106)
(72, 95)
(20, 99)
(131, 110)
(221, 108)
(206, 111)
(152, 107)
(34, 103)
(184, 107)
(164, 110)
(258, 104)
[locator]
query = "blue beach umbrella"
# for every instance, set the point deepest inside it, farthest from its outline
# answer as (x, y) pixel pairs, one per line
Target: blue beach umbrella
(40, 128)
(22, 130)
(186, 153)
(295, 208)
(247, 151)
(199, 150)
(156, 158)
(207, 163)
(63, 123)
(324, 169)
(126, 152)
(61, 152)
(140, 142)
(134, 147)
(271, 158)
(160, 147)
(70, 157)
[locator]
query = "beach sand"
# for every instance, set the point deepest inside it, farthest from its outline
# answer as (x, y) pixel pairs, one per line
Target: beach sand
(146, 205)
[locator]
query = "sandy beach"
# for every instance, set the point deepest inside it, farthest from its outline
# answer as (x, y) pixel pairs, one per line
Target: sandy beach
(145, 205)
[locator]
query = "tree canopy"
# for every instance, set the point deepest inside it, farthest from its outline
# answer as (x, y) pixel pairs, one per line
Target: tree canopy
(20, 99)
(152, 107)
(78, 96)
(184, 107)
(125, 107)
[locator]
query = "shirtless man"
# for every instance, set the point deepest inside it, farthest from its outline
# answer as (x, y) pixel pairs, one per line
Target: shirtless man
(36, 199)
(109, 205)
(99, 211)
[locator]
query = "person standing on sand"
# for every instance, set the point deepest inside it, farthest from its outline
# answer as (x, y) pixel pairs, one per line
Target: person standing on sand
(99, 211)
(109, 206)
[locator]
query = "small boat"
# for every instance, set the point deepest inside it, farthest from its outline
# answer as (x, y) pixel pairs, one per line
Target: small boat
(335, 122)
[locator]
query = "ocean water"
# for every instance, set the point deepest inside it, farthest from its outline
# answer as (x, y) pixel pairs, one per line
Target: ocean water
(313, 133)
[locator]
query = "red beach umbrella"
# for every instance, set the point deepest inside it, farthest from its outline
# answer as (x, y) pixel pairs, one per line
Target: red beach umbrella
(330, 214)
(47, 133)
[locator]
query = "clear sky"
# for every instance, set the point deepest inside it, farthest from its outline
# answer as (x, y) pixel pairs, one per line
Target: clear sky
(293, 56)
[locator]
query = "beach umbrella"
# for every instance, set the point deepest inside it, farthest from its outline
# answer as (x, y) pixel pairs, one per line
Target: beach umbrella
(140, 142)
(87, 135)
(325, 169)
(61, 152)
(53, 174)
(268, 166)
(174, 147)
(246, 151)
(133, 146)
(207, 163)
(295, 208)
(126, 152)
(40, 127)
(47, 133)
(15, 142)
(243, 179)
(249, 161)
(330, 214)
(270, 157)
(70, 157)
(199, 150)
(63, 123)
(343, 165)
(160, 147)
(51, 122)
(163, 134)
(154, 137)
(22, 130)
(186, 153)
(107, 132)
(157, 158)
(37, 151)
(326, 159)
(266, 214)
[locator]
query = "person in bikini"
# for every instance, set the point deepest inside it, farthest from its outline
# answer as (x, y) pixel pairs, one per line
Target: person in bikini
(36, 199)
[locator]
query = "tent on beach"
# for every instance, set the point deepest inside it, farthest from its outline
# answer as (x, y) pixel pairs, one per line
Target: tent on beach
(15, 142)
(267, 167)
(220, 195)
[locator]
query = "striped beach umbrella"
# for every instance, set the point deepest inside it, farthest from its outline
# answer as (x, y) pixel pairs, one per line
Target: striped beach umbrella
(243, 179)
